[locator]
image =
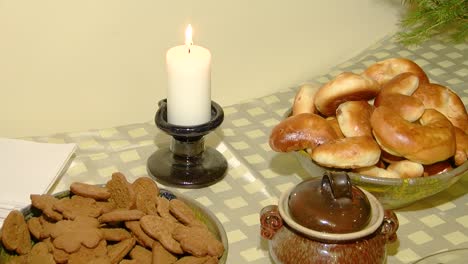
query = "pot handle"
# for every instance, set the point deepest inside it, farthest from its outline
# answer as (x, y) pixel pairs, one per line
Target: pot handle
(390, 226)
(270, 221)
(337, 185)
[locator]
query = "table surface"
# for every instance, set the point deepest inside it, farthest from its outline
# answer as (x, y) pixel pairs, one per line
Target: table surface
(257, 176)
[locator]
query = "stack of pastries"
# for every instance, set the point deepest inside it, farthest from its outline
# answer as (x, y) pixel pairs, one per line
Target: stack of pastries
(388, 121)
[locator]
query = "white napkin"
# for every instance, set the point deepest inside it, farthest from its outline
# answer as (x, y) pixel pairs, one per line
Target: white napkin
(28, 167)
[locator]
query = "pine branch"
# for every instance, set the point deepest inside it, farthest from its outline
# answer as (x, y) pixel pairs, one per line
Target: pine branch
(427, 18)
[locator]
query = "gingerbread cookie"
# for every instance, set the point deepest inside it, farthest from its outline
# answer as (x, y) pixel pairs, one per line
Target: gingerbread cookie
(47, 226)
(128, 261)
(141, 255)
(121, 216)
(69, 235)
(77, 229)
(121, 192)
(184, 213)
(40, 254)
(15, 233)
(35, 227)
(90, 255)
(45, 203)
(21, 259)
(95, 192)
(115, 234)
(162, 255)
(212, 260)
(161, 229)
(118, 251)
(163, 209)
(106, 207)
(141, 237)
(193, 260)
(146, 192)
(77, 206)
(198, 241)
(60, 256)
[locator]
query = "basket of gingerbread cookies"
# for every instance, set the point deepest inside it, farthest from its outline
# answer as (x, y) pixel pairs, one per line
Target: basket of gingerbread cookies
(118, 222)
(397, 134)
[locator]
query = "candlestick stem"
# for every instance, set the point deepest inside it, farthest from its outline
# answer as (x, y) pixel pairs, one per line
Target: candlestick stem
(187, 162)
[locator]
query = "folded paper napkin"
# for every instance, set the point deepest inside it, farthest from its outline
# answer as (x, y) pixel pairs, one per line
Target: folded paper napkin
(28, 167)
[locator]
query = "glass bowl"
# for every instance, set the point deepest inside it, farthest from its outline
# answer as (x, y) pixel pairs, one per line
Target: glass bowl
(393, 193)
(454, 256)
(201, 212)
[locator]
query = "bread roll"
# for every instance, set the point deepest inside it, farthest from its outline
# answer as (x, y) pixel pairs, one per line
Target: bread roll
(389, 158)
(429, 141)
(406, 169)
(377, 172)
(384, 71)
(334, 124)
(354, 118)
(461, 152)
(445, 101)
(408, 107)
(345, 87)
(304, 99)
(404, 83)
(300, 132)
(347, 153)
(436, 168)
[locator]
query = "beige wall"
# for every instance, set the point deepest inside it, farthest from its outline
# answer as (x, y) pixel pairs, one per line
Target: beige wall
(76, 65)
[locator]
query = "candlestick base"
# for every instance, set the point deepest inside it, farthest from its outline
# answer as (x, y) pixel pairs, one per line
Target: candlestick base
(187, 163)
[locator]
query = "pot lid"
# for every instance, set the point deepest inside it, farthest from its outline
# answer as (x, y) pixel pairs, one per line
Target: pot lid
(331, 204)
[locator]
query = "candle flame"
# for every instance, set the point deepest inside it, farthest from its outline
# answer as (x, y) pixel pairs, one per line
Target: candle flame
(188, 37)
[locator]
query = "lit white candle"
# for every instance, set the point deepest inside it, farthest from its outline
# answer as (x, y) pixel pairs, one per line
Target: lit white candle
(189, 83)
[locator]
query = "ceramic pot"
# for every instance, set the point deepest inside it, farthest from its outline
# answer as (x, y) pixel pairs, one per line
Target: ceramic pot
(340, 223)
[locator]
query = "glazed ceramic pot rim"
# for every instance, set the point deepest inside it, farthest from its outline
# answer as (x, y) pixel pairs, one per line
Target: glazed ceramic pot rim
(377, 215)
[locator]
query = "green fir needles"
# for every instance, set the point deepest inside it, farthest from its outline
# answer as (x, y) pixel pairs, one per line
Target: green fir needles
(427, 18)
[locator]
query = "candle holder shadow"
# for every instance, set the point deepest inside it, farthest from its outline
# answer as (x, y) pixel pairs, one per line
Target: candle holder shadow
(187, 163)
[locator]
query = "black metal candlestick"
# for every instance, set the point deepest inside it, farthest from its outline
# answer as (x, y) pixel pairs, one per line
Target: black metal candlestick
(187, 163)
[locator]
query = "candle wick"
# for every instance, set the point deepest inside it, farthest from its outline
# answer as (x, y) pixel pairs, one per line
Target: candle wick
(189, 46)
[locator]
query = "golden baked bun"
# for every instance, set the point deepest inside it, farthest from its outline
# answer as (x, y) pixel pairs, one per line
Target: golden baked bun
(300, 132)
(461, 152)
(430, 140)
(396, 94)
(377, 172)
(407, 169)
(445, 101)
(438, 167)
(404, 83)
(400, 169)
(389, 158)
(384, 71)
(347, 153)
(354, 118)
(304, 99)
(347, 86)
(334, 124)
(389, 121)
(408, 107)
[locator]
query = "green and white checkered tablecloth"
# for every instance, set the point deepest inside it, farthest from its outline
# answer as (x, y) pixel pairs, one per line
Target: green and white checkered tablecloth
(257, 176)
